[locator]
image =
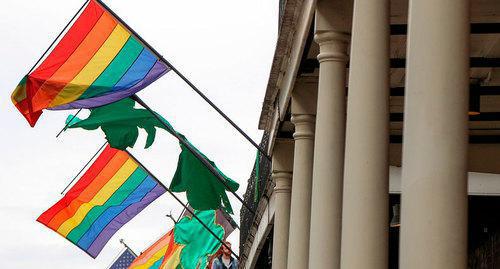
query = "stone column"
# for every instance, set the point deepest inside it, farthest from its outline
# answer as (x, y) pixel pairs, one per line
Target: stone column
(434, 178)
(366, 175)
(282, 167)
(332, 35)
(303, 116)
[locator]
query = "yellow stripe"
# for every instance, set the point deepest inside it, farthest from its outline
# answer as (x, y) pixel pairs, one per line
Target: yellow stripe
(158, 255)
(94, 67)
(100, 198)
(174, 260)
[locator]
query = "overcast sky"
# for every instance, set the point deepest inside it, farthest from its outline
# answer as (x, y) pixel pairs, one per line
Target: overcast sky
(225, 47)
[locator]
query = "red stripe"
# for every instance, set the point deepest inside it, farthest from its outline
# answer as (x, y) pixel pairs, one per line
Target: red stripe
(172, 246)
(87, 178)
(68, 44)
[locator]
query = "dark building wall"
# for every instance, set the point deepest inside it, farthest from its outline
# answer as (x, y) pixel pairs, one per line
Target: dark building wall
(483, 233)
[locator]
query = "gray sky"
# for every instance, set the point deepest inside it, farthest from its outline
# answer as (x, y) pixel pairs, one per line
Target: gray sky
(225, 47)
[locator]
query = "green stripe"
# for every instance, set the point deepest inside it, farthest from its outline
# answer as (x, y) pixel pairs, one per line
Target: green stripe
(133, 181)
(115, 70)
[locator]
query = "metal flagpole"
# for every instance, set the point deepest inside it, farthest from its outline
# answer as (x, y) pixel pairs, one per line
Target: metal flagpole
(59, 35)
(193, 151)
(224, 214)
(186, 208)
(184, 205)
(67, 123)
(185, 80)
(182, 213)
(230, 220)
(83, 168)
(123, 242)
(189, 147)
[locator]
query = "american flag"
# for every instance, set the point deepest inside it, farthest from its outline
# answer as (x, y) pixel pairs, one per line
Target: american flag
(124, 260)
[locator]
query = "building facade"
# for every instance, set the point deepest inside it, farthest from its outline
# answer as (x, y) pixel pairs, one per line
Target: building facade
(375, 105)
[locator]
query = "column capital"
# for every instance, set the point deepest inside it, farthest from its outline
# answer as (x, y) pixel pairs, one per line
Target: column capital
(283, 180)
(334, 15)
(332, 46)
(282, 165)
(304, 126)
(282, 158)
(304, 97)
(331, 36)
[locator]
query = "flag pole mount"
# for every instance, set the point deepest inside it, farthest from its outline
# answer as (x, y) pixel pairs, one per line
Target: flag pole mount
(125, 244)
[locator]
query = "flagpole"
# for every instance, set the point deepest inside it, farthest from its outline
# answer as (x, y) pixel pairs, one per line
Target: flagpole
(192, 150)
(230, 220)
(123, 242)
(203, 96)
(186, 208)
(174, 133)
(59, 35)
(68, 123)
(184, 205)
(182, 213)
(226, 216)
(83, 168)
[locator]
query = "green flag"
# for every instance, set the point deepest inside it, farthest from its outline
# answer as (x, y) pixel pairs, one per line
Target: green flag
(257, 177)
(199, 244)
(120, 122)
(203, 189)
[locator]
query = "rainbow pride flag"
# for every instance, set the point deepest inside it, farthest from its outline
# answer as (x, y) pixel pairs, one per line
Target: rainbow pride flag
(164, 254)
(110, 193)
(97, 62)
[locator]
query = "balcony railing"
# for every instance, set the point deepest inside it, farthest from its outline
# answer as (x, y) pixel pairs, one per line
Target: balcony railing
(256, 188)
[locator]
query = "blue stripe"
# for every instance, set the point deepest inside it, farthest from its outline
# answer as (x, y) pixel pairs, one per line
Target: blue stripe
(137, 71)
(93, 232)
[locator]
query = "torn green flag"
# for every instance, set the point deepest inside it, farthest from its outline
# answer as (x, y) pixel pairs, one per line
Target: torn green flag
(203, 189)
(120, 122)
(199, 244)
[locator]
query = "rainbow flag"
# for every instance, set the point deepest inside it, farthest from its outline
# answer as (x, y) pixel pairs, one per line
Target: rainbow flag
(164, 252)
(97, 62)
(110, 193)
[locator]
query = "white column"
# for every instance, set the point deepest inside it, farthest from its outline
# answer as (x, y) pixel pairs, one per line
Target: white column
(434, 179)
(303, 110)
(282, 166)
(332, 35)
(366, 175)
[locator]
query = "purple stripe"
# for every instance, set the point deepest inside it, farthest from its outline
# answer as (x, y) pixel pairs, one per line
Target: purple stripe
(120, 220)
(158, 70)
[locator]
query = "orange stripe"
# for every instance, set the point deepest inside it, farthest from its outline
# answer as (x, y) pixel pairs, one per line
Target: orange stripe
(90, 191)
(101, 60)
(146, 255)
(174, 259)
(75, 63)
(172, 255)
(171, 247)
